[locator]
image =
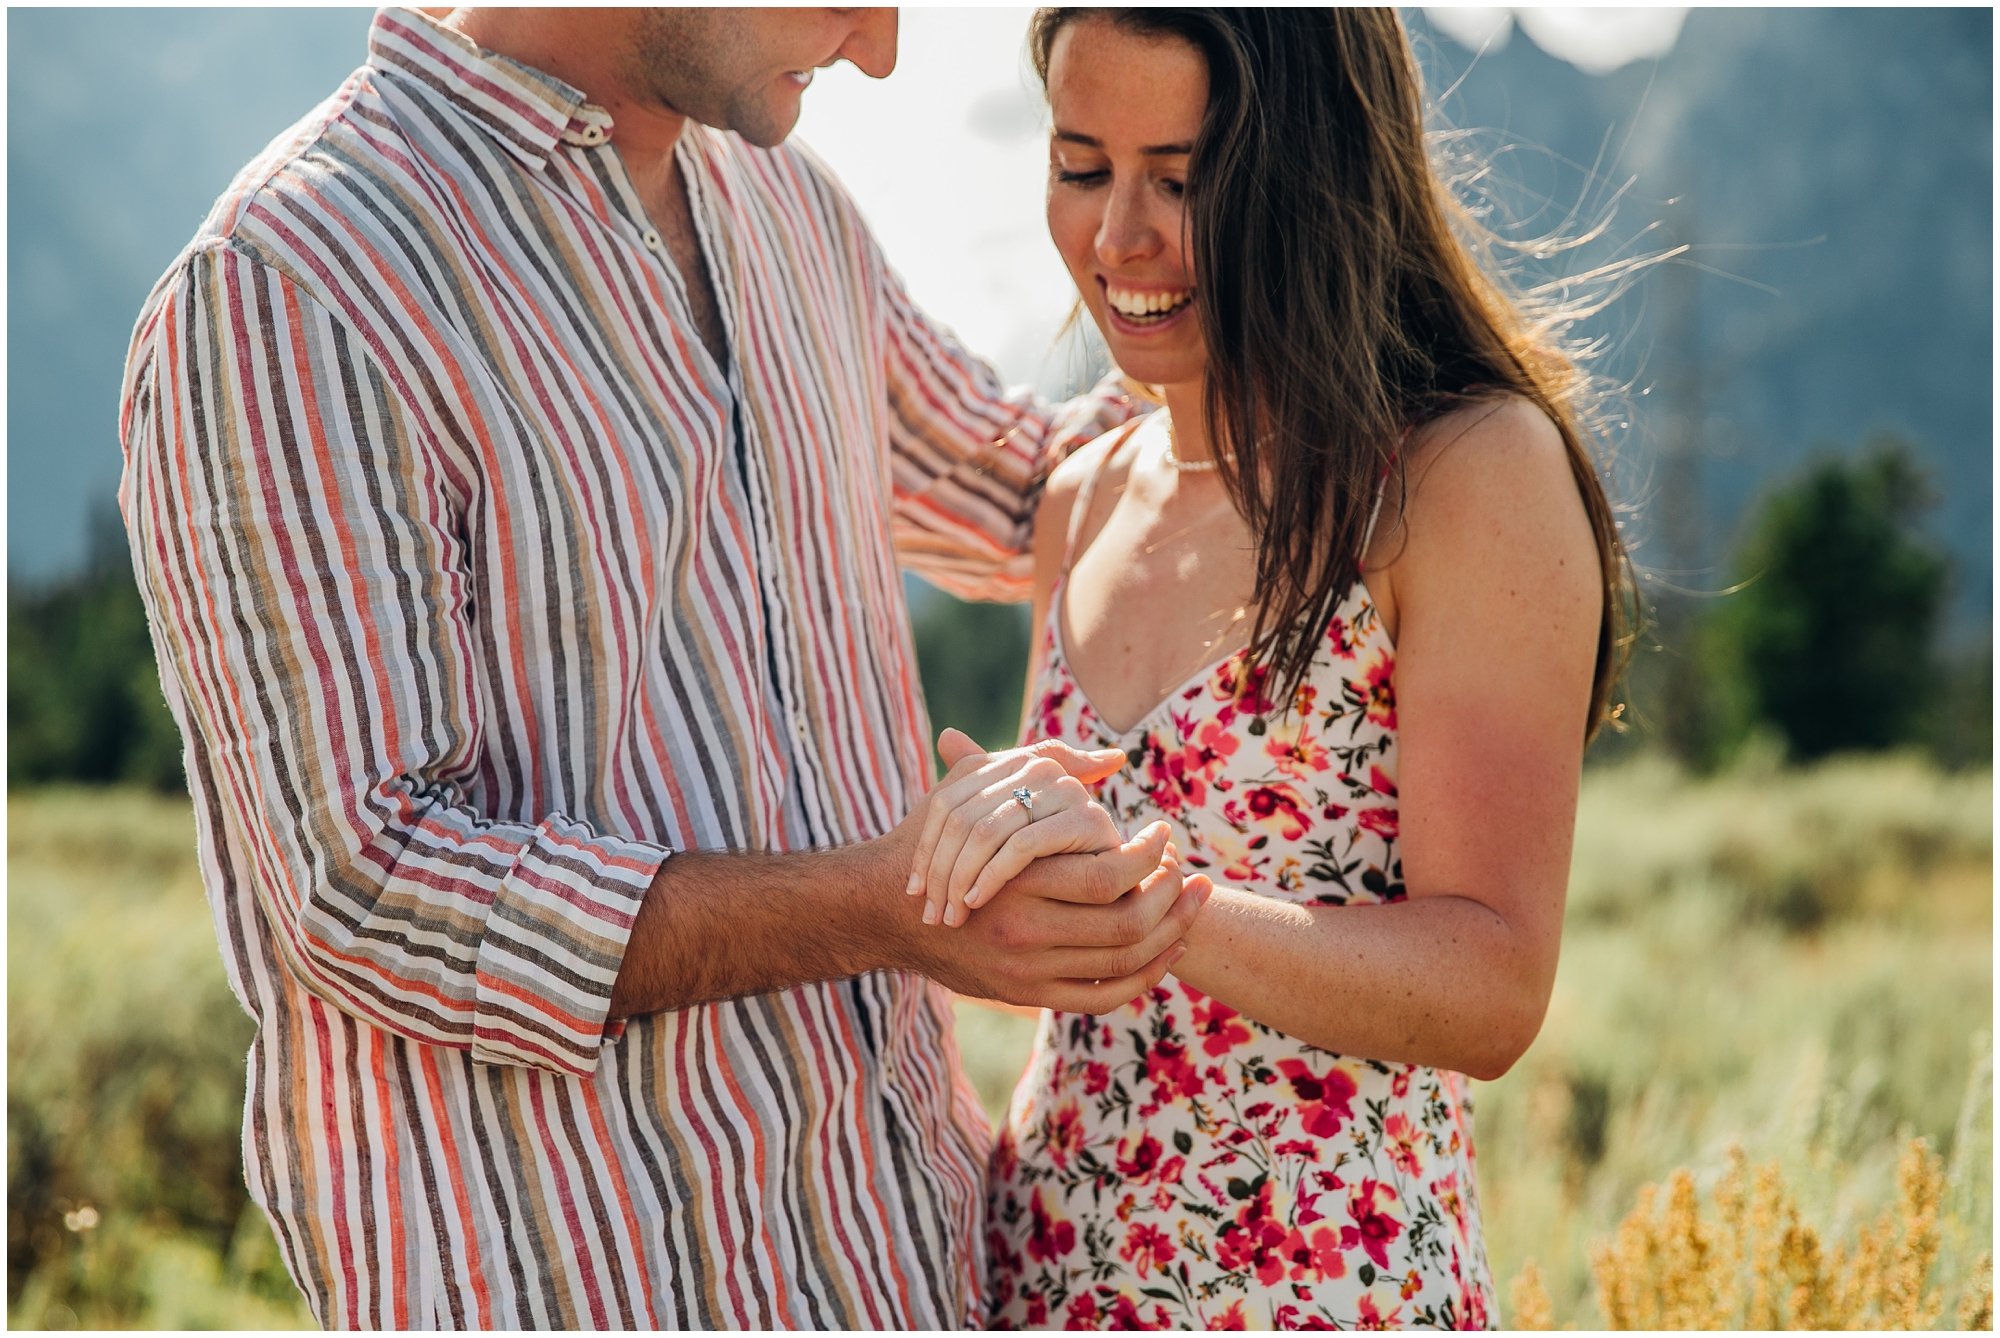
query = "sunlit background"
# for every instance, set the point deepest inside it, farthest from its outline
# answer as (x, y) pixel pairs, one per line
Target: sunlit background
(1779, 935)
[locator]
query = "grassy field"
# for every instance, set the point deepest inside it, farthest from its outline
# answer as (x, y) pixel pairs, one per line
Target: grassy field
(1794, 963)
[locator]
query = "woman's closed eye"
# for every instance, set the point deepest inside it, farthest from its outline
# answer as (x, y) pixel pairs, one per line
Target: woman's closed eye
(1098, 176)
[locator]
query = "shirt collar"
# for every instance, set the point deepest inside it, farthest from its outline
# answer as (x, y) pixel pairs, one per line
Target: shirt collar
(528, 110)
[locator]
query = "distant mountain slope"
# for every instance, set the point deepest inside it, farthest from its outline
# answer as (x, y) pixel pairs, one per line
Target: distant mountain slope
(1840, 164)
(1838, 161)
(103, 189)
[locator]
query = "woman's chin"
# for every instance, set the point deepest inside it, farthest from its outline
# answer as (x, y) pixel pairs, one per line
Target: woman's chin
(1149, 368)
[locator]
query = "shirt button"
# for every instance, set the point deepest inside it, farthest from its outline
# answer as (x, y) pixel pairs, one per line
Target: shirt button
(652, 239)
(593, 134)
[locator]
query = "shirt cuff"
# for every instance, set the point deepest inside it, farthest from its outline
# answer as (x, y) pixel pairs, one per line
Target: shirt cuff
(554, 941)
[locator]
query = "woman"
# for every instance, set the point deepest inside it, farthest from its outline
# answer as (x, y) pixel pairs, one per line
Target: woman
(1369, 476)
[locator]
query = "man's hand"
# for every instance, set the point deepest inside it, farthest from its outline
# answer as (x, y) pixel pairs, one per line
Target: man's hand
(1087, 922)
(1084, 932)
(1076, 933)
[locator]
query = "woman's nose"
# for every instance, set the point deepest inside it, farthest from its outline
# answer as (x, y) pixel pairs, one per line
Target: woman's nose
(1125, 233)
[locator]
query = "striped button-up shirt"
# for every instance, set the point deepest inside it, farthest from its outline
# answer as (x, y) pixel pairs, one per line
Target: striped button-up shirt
(479, 588)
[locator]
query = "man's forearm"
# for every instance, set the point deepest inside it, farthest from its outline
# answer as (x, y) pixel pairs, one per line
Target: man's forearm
(722, 925)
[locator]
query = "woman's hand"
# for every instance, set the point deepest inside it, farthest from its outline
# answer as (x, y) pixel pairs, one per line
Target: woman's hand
(978, 834)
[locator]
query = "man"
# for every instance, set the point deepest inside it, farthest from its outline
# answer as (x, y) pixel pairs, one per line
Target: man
(512, 464)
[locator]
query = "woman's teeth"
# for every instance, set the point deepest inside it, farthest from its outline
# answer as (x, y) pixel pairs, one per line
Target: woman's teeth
(1143, 307)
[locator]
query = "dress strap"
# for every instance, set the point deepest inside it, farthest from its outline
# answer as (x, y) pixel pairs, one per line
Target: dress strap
(1382, 491)
(1081, 507)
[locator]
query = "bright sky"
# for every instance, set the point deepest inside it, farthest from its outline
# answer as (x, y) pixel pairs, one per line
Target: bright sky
(1596, 41)
(948, 158)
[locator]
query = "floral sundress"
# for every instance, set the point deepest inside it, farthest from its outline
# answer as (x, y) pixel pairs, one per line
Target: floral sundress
(1178, 1165)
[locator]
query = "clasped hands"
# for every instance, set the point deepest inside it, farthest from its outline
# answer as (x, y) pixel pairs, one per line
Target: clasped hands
(1071, 916)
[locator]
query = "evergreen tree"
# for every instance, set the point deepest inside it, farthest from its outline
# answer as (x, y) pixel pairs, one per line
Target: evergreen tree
(83, 691)
(1830, 641)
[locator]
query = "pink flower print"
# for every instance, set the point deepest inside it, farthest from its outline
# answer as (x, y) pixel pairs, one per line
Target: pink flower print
(1163, 781)
(1051, 713)
(1214, 744)
(1231, 684)
(1319, 1256)
(1138, 1156)
(1170, 1072)
(1379, 683)
(1372, 1318)
(1146, 1246)
(1475, 1308)
(1230, 1319)
(1297, 1147)
(1373, 1227)
(1399, 1086)
(1400, 1140)
(1096, 1077)
(1171, 1168)
(1296, 752)
(1340, 638)
(1220, 1027)
(1272, 805)
(1413, 1282)
(1005, 1156)
(1380, 781)
(1123, 1314)
(1038, 1311)
(1446, 1190)
(1245, 866)
(1384, 822)
(1048, 1239)
(1064, 1134)
(1254, 1242)
(1005, 1260)
(1325, 1102)
(1082, 1312)
(1303, 698)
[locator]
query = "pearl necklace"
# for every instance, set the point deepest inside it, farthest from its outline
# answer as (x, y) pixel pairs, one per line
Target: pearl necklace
(1185, 466)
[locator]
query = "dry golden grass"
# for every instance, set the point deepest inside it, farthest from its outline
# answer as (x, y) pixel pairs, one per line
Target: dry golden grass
(1749, 1259)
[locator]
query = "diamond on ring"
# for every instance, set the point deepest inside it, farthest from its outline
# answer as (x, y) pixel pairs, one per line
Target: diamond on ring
(1026, 799)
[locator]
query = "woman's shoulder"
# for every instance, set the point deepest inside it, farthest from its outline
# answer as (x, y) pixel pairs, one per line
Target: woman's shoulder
(1066, 484)
(1483, 487)
(1068, 480)
(1486, 434)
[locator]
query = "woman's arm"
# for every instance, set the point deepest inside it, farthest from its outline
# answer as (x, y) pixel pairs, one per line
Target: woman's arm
(1495, 592)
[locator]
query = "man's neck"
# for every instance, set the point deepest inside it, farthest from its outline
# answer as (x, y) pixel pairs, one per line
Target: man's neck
(581, 47)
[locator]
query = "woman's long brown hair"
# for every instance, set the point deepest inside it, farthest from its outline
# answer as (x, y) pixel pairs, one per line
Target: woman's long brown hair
(1341, 304)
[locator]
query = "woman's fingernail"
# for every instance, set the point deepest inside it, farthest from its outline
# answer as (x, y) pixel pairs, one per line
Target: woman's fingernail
(1177, 954)
(930, 913)
(916, 884)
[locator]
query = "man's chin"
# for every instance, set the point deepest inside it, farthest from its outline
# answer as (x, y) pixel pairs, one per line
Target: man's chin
(766, 126)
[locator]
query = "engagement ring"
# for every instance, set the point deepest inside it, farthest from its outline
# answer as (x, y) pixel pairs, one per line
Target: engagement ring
(1027, 800)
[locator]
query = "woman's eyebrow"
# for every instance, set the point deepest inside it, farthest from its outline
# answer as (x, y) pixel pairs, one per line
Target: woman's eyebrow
(1091, 142)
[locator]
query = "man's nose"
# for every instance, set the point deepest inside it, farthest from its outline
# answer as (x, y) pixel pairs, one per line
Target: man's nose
(871, 47)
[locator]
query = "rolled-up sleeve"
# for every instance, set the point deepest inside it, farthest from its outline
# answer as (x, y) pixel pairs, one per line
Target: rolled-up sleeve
(969, 456)
(300, 547)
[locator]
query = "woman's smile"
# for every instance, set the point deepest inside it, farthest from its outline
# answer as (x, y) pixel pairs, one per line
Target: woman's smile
(1137, 312)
